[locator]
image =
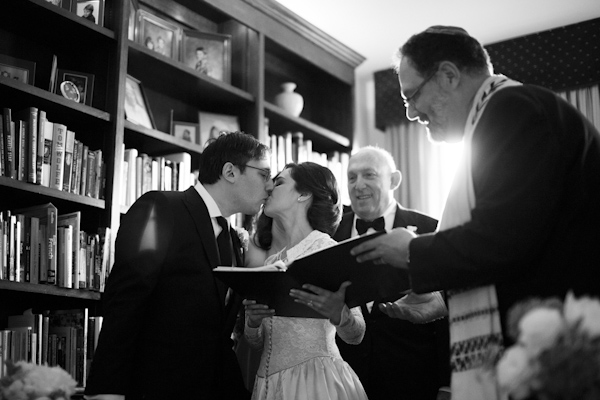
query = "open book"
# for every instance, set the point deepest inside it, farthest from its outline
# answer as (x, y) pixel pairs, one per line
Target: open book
(327, 268)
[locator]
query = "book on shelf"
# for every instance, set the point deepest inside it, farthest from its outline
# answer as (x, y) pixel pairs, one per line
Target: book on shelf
(84, 168)
(48, 220)
(28, 125)
(1, 144)
(9, 137)
(57, 160)
(46, 131)
(73, 220)
(71, 327)
(130, 156)
(183, 160)
(68, 164)
(327, 268)
(39, 159)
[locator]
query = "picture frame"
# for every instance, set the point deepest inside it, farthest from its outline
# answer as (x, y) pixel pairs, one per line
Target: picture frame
(66, 4)
(83, 81)
(17, 69)
(207, 53)
(92, 10)
(158, 34)
(188, 131)
(136, 104)
(211, 124)
(133, 7)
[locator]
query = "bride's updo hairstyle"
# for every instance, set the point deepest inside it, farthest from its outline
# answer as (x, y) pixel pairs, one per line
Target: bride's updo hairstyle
(325, 211)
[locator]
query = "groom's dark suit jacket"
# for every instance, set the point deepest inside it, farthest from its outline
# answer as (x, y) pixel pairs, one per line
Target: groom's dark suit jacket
(398, 359)
(167, 330)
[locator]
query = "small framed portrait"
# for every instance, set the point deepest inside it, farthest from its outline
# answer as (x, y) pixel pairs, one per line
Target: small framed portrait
(212, 124)
(84, 83)
(136, 104)
(207, 53)
(17, 69)
(92, 10)
(158, 34)
(186, 131)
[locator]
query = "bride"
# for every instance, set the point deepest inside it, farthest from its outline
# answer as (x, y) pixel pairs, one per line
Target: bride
(300, 359)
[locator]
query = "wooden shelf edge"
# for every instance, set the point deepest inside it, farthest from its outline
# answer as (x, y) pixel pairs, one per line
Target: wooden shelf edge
(46, 191)
(207, 80)
(72, 16)
(163, 137)
(301, 122)
(54, 98)
(48, 290)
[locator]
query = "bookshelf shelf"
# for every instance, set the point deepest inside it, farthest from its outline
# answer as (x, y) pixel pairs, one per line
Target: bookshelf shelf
(48, 290)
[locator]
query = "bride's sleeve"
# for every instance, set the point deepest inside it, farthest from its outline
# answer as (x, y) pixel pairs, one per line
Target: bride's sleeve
(352, 325)
(254, 336)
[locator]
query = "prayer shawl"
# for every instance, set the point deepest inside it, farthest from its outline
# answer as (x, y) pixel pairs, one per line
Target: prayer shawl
(473, 312)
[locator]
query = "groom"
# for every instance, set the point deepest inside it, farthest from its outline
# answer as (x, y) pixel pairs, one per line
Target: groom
(167, 320)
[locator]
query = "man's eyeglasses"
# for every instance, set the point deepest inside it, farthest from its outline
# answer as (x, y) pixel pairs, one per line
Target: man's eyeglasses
(266, 172)
(408, 100)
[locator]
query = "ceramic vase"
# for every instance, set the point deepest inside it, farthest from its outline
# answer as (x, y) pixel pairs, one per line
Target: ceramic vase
(289, 100)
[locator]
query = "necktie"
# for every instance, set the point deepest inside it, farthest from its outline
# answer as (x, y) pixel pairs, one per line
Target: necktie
(224, 242)
(362, 226)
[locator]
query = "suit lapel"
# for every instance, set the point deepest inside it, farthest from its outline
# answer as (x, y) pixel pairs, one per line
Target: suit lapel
(203, 223)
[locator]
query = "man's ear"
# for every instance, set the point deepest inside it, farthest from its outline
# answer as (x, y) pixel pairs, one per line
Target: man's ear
(229, 172)
(396, 179)
(450, 74)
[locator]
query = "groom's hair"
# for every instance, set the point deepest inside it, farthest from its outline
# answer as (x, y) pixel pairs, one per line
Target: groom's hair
(235, 147)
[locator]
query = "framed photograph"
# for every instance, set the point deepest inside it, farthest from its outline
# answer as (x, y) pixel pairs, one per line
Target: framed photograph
(84, 83)
(66, 4)
(186, 131)
(158, 34)
(212, 124)
(133, 7)
(207, 53)
(92, 10)
(17, 69)
(136, 104)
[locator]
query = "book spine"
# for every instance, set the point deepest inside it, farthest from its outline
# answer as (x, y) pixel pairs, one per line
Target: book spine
(34, 276)
(1, 148)
(58, 156)
(32, 145)
(51, 236)
(98, 176)
(84, 168)
(9, 167)
(69, 143)
(91, 173)
(47, 152)
(75, 166)
(21, 155)
(39, 159)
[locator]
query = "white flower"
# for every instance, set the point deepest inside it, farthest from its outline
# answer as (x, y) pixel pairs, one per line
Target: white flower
(515, 372)
(244, 237)
(539, 329)
(30, 381)
(584, 309)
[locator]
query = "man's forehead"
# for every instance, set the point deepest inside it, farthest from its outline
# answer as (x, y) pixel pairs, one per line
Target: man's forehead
(408, 76)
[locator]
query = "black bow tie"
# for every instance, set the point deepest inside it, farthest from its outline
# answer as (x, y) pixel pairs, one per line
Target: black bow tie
(362, 226)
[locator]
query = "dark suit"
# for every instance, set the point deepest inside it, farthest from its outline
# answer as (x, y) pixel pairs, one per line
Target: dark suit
(398, 359)
(166, 331)
(534, 230)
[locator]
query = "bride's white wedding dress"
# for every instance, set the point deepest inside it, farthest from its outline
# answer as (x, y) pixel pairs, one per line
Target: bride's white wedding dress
(300, 359)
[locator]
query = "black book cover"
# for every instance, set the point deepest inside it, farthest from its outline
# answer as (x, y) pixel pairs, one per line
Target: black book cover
(327, 268)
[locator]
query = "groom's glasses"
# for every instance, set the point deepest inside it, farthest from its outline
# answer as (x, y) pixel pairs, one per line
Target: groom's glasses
(413, 98)
(265, 173)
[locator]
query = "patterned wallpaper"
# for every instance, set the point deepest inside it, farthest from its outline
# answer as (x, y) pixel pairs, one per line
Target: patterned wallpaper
(559, 59)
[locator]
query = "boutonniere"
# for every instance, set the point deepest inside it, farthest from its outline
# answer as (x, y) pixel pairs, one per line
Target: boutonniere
(244, 237)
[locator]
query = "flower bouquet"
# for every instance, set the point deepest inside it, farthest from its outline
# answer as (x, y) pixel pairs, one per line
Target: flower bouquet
(26, 381)
(557, 350)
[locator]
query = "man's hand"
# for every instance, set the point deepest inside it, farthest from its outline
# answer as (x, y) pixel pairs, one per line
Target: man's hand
(389, 249)
(417, 308)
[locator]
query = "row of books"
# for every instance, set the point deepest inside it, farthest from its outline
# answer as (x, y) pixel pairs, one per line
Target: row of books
(37, 245)
(36, 150)
(65, 338)
(142, 173)
(292, 147)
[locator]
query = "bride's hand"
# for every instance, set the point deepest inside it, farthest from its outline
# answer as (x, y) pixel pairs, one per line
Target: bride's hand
(329, 304)
(255, 313)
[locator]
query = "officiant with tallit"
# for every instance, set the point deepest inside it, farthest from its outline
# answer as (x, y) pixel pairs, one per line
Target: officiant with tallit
(522, 215)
